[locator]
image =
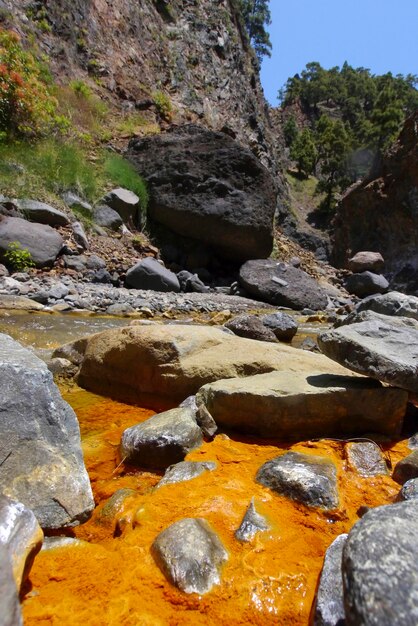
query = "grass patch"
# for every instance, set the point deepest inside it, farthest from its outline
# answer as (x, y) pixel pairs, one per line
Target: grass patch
(122, 173)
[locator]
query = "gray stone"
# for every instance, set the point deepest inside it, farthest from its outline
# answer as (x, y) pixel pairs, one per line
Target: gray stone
(61, 367)
(94, 262)
(190, 283)
(149, 274)
(185, 470)
(413, 442)
(251, 327)
(79, 235)
(21, 535)
(392, 303)
(43, 242)
(76, 263)
(58, 291)
(252, 523)
(366, 261)
(366, 284)
(120, 308)
(366, 458)
(296, 405)
(406, 468)
(42, 213)
(380, 567)
(10, 613)
(19, 303)
(162, 440)
(409, 490)
(41, 462)
(283, 325)
(305, 478)
(126, 203)
(77, 204)
(369, 315)
(190, 555)
(329, 604)
(376, 348)
(107, 218)
(282, 285)
(73, 351)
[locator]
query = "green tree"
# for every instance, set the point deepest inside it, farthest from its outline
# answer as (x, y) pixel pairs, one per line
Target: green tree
(334, 145)
(290, 130)
(257, 16)
(303, 151)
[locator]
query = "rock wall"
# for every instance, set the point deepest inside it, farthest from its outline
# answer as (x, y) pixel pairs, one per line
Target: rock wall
(381, 213)
(195, 51)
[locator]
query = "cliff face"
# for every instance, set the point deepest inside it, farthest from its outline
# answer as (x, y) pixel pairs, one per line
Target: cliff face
(195, 51)
(381, 213)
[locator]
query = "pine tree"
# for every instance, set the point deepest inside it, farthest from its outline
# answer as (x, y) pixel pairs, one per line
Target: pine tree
(303, 151)
(257, 16)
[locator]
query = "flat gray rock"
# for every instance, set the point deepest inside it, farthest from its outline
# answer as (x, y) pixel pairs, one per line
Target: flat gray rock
(149, 274)
(252, 523)
(392, 303)
(366, 458)
(380, 567)
(10, 613)
(406, 468)
(108, 218)
(190, 555)
(21, 535)
(305, 478)
(329, 605)
(43, 242)
(185, 470)
(41, 462)
(379, 349)
(42, 213)
(161, 440)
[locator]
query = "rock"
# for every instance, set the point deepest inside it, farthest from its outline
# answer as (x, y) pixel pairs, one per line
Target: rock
(108, 218)
(283, 325)
(409, 490)
(406, 468)
(42, 242)
(204, 419)
(73, 351)
(185, 470)
(252, 523)
(190, 555)
(94, 262)
(41, 459)
(162, 439)
(366, 458)
(299, 405)
(80, 236)
(120, 308)
(380, 567)
(329, 603)
(76, 263)
(168, 363)
(21, 535)
(19, 303)
(378, 349)
(10, 613)
(149, 274)
(366, 262)
(251, 327)
(368, 315)
(392, 303)
(191, 283)
(110, 514)
(305, 478)
(77, 204)
(102, 277)
(366, 284)
(3, 271)
(205, 186)
(126, 203)
(61, 367)
(309, 345)
(282, 285)
(42, 213)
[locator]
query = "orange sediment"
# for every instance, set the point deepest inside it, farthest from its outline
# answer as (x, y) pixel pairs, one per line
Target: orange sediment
(113, 579)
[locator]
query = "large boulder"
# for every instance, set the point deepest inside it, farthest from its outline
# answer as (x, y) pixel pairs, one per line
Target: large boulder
(43, 242)
(392, 303)
(207, 187)
(41, 459)
(380, 567)
(366, 284)
(376, 348)
(301, 405)
(149, 274)
(126, 203)
(42, 213)
(161, 365)
(366, 261)
(282, 285)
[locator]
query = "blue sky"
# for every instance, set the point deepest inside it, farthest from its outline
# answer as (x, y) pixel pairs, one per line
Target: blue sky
(381, 35)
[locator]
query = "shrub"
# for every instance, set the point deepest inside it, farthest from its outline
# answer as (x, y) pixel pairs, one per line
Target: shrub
(18, 258)
(163, 104)
(27, 108)
(80, 88)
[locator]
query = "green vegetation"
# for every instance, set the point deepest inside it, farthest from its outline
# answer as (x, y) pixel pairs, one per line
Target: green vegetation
(256, 16)
(122, 173)
(163, 104)
(353, 117)
(18, 258)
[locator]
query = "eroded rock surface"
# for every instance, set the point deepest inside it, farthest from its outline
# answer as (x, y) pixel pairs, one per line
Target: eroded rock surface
(252, 523)
(329, 605)
(10, 613)
(392, 303)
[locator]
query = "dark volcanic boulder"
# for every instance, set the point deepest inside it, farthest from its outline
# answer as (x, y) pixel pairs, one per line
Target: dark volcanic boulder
(149, 274)
(43, 242)
(282, 285)
(380, 567)
(366, 284)
(205, 186)
(42, 213)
